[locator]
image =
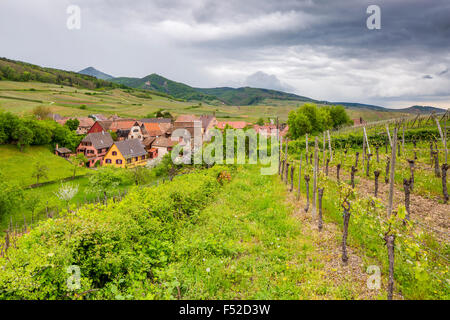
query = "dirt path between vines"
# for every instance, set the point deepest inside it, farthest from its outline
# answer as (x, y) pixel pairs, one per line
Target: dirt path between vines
(328, 245)
(432, 217)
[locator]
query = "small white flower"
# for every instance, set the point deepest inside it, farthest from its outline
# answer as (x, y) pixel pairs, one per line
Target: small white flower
(208, 269)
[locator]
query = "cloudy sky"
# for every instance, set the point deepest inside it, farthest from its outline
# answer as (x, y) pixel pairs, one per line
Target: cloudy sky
(316, 48)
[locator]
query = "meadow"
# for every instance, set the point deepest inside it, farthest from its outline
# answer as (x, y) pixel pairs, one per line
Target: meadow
(22, 97)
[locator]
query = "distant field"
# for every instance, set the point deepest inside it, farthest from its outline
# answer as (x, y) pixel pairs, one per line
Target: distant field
(17, 97)
(18, 166)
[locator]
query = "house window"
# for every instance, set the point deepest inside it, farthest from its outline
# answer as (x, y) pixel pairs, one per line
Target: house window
(118, 161)
(129, 160)
(136, 130)
(114, 153)
(137, 158)
(108, 160)
(143, 157)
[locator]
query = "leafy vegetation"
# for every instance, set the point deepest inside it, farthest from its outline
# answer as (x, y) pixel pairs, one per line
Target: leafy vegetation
(312, 120)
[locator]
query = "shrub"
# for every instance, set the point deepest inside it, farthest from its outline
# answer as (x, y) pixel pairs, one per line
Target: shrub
(117, 248)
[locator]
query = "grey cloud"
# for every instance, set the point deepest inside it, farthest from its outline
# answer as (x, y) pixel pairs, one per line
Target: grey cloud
(317, 48)
(263, 80)
(427, 76)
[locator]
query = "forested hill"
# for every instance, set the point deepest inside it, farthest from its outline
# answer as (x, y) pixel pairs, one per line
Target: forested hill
(22, 71)
(156, 82)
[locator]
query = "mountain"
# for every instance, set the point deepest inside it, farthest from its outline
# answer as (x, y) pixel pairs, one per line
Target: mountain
(420, 109)
(156, 82)
(91, 71)
(22, 71)
(241, 96)
(250, 96)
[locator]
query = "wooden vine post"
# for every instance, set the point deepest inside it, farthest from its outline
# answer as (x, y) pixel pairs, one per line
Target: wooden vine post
(286, 155)
(444, 182)
(443, 136)
(306, 140)
(320, 223)
(299, 177)
(307, 192)
(390, 239)
(346, 207)
(388, 164)
(292, 177)
(324, 149)
(368, 164)
(338, 168)
(411, 170)
(392, 174)
(279, 154)
(316, 168)
(329, 145)
(377, 174)
(287, 173)
(407, 188)
(352, 175)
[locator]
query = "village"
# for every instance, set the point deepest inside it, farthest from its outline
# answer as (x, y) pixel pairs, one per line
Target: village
(128, 143)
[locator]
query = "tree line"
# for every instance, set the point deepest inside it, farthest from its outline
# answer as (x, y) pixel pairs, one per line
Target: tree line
(33, 130)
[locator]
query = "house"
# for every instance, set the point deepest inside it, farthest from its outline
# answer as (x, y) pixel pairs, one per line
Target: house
(63, 152)
(94, 147)
(85, 123)
(98, 117)
(114, 126)
(191, 123)
(151, 129)
(233, 124)
(266, 130)
(208, 122)
(136, 131)
(127, 154)
(163, 145)
(148, 145)
(163, 124)
(358, 121)
(122, 134)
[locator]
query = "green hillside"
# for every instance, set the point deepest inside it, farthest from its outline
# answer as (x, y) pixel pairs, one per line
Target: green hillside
(22, 71)
(158, 83)
(251, 96)
(19, 166)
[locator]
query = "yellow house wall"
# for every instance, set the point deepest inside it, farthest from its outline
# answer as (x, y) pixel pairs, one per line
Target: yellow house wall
(119, 155)
(114, 158)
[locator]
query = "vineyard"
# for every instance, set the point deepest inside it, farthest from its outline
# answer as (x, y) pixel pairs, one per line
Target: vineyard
(345, 205)
(385, 184)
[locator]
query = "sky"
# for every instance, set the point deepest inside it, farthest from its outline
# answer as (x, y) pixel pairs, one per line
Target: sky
(321, 49)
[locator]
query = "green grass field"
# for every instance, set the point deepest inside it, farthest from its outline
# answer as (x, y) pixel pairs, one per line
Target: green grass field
(22, 97)
(19, 166)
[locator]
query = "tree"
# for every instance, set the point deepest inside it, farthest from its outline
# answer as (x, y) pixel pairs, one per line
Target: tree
(260, 122)
(77, 161)
(339, 116)
(23, 135)
(40, 171)
(66, 192)
(313, 120)
(72, 124)
(105, 180)
(41, 112)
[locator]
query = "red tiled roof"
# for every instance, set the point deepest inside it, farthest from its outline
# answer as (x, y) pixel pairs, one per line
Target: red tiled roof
(153, 129)
(233, 124)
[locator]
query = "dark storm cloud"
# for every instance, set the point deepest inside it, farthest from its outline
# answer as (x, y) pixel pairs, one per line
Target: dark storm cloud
(317, 48)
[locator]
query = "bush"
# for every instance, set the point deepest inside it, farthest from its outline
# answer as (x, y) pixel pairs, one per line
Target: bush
(117, 248)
